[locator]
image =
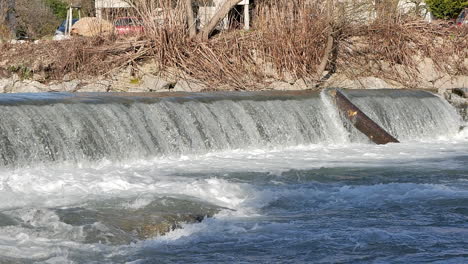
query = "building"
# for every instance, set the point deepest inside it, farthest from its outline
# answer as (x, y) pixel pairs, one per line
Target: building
(205, 11)
(100, 5)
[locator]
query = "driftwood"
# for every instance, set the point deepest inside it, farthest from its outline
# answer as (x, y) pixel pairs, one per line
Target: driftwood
(361, 121)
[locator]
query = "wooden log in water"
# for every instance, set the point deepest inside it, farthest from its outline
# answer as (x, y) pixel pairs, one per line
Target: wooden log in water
(360, 120)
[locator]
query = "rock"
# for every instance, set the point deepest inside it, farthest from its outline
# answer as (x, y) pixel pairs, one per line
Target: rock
(460, 103)
(98, 87)
(28, 87)
(270, 71)
(463, 92)
(153, 83)
(374, 83)
(281, 86)
(302, 84)
(138, 89)
(289, 77)
(189, 85)
(70, 86)
(427, 70)
(6, 85)
(341, 81)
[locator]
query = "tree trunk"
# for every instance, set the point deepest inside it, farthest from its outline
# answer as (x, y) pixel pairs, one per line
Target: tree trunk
(192, 27)
(7, 14)
(204, 34)
(11, 16)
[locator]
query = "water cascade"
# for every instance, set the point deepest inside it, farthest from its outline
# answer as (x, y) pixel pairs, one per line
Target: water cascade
(62, 127)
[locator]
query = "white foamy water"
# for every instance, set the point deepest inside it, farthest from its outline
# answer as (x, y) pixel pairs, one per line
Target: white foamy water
(249, 179)
(269, 194)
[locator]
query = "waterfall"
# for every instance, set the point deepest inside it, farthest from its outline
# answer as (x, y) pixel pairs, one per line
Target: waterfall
(408, 114)
(62, 127)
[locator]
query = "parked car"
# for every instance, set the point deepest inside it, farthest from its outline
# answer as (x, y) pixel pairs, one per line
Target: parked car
(61, 29)
(129, 26)
(462, 18)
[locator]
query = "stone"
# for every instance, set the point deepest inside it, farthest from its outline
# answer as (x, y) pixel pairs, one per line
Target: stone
(302, 84)
(280, 86)
(28, 87)
(341, 81)
(463, 92)
(270, 70)
(98, 87)
(154, 83)
(6, 85)
(70, 86)
(189, 85)
(138, 89)
(428, 73)
(372, 83)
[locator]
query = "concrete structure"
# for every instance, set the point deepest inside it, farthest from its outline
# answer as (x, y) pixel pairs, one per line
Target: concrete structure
(101, 4)
(205, 12)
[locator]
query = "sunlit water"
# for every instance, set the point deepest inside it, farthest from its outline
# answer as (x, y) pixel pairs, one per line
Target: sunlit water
(240, 188)
(402, 203)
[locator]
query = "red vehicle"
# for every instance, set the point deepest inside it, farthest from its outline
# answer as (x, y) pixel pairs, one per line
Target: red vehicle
(129, 26)
(463, 18)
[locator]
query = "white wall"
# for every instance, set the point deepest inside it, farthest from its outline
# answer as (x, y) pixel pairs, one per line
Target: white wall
(111, 4)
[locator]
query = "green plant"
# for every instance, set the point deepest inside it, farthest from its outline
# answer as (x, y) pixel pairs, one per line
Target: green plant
(59, 8)
(23, 72)
(446, 9)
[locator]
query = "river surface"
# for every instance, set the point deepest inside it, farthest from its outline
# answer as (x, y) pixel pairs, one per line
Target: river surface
(236, 181)
(399, 203)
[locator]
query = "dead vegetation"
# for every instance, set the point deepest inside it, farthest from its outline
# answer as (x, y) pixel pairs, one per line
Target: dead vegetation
(288, 41)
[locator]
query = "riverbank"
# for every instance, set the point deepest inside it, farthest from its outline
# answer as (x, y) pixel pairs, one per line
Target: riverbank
(382, 54)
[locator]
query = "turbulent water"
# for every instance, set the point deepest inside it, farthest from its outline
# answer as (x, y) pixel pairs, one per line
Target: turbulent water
(230, 179)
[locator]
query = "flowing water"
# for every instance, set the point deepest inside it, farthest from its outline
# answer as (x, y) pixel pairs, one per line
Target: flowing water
(229, 178)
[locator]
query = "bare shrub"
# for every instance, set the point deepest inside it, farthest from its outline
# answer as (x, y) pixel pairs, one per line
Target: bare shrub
(289, 40)
(35, 19)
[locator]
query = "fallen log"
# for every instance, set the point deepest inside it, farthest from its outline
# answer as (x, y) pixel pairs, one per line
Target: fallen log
(360, 120)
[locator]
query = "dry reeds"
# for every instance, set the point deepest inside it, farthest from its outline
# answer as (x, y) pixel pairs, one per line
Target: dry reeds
(288, 41)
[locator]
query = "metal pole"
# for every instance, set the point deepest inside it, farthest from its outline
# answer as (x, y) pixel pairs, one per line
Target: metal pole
(246, 17)
(70, 18)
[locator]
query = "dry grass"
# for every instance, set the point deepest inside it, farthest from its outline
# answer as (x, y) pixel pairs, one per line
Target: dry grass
(392, 50)
(287, 42)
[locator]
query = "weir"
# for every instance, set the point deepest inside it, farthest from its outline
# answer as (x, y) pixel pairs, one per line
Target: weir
(64, 127)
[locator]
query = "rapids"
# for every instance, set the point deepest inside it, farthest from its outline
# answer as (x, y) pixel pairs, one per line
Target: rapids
(228, 178)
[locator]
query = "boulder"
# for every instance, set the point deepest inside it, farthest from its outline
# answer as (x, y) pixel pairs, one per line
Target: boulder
(6, 85)
(302, 84)
(341, 81)
(98, 87)
(28, 87)
(463, 92)
(281, 86)
(153, 83)
(70, 86)
(189, 85)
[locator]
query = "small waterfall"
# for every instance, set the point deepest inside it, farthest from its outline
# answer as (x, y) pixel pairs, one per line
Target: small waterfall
(408, 114)
(62, 127)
